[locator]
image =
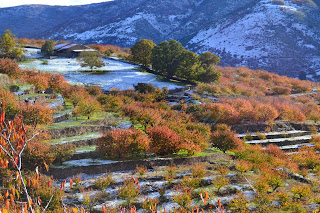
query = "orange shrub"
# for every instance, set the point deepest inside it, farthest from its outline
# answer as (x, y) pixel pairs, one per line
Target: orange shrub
(265, 113)
(280, 90)
(224, 139)
(219, 113)
(11, 68)
(164, 141)
(123, 142)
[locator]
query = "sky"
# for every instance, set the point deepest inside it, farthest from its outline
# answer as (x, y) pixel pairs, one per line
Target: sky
(10, 3)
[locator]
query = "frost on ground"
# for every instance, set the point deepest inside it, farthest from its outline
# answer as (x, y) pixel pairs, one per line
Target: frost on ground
(115, 74)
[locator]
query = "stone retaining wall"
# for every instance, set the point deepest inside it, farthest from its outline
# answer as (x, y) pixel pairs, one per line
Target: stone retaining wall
(62, 173)
(76, 131)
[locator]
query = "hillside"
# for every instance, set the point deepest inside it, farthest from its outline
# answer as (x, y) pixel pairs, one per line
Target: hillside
(278, 36)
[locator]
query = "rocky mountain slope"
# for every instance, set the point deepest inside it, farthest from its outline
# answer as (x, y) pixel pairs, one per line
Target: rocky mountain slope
(281, 36)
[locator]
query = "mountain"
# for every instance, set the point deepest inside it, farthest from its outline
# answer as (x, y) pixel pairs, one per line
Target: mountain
(281, 36)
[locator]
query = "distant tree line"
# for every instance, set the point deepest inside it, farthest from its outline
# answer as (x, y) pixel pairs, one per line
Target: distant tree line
(172, 59)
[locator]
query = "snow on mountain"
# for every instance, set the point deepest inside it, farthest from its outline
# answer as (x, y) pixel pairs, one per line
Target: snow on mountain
(279, 36)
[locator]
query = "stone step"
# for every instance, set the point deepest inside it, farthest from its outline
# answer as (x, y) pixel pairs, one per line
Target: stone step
(274, 135)
(294, 148)
(282, 141)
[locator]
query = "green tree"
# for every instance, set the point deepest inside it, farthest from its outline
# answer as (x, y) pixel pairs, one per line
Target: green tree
(90, 59)
(208, 59)
(88, 107)
(209, 74)
(142, 51)
(189, 64)
(166, 57)
(8, 48)
(48, 47)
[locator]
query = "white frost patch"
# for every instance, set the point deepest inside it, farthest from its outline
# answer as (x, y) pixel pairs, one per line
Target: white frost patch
(86, 162)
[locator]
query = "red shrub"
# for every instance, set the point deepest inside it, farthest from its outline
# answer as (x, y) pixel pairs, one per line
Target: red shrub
(11, 68)
(164, 141)
(224, 139)
(123, 142)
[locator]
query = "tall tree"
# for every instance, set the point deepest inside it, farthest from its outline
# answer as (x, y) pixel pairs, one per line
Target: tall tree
(189, 65)
(165, 57)
(209, 74)
(48, 47)
(209, 58)
(8, 47)
(142, 51)
(87, 107)
(90, 59)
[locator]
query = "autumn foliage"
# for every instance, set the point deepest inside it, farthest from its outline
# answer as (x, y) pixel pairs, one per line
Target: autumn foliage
(123, 143)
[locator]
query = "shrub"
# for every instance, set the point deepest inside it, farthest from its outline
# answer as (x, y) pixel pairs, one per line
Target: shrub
(94, 90)
(183, 196)
(224, 139)
(275, 151)
(123, 142)
(198, 170)
(301, 191)
(62, 152)
(129, 191)
(103, 182)
(145, 88)
(37, 153)
(190, 181)
(141, 170)
(164, 141)
(110, 103)
(242, 166)
(11, 68)
(239, 204)
(171, 170)
(266, 113)
(150, 204)
(280, 90)
(220, 182)
(219, 113)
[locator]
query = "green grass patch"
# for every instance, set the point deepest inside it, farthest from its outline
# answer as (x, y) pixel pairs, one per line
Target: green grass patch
(66, 124)
(86, 149)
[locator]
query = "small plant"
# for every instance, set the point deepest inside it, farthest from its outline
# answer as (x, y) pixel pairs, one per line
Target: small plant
(129, 191)
(150, 204)
(239, 204)
(248, 137)
(198, 170)
(171, 170)
(141, 170)
(183, 196)
(77, 181)
(242, 166)
(103, 182)
(223, 170)
(63, 152)
(220, 182)
(162, 191)
(313, 130)
(89, 200)
(261, 136)
(301, 191)
(191, 181)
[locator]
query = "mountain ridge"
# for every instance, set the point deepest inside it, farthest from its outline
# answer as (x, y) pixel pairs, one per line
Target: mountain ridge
(278, 36)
